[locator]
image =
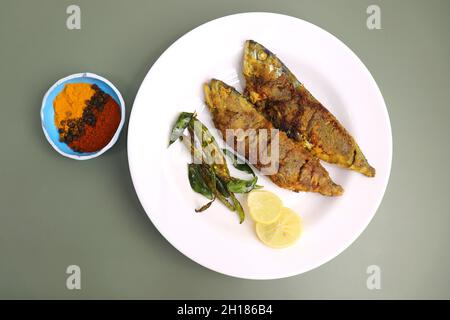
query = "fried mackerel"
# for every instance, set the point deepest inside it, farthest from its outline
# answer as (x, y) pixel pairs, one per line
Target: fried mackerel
(298, 170)
(290, 107)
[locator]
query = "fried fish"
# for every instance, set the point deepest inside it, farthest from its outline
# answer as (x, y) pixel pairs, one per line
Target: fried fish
(290, 107)
(298, 170)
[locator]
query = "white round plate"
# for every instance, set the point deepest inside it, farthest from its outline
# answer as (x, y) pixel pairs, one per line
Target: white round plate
(214, 238)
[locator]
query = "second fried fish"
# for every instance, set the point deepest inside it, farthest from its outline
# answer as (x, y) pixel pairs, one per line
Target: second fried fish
(290, 107)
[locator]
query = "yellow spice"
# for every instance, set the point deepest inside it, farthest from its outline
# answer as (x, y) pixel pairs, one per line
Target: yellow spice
(70, 102)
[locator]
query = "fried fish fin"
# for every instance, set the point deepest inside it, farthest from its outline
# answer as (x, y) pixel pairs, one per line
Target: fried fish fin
(298, 170)
(286, 102)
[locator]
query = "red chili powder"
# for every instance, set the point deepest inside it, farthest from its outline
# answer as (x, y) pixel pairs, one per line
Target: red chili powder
(98, 136)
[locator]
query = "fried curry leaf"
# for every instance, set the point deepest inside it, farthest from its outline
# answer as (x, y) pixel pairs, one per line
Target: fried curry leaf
(180, 125)
(238, 185)
(241, 166)
(210, 149)
(197, 181)
(242, 186)
(222, 187)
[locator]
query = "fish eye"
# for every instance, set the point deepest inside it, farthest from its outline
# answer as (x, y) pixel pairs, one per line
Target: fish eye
(262, 55)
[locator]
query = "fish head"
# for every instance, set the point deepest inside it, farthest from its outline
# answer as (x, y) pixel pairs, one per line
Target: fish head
(259, 63)
(220, 96)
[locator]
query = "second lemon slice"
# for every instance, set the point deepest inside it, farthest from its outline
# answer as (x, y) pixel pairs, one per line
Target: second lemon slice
(264, 206)
(283, 232)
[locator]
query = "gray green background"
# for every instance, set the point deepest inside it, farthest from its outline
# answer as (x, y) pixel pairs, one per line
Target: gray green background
(55, 211)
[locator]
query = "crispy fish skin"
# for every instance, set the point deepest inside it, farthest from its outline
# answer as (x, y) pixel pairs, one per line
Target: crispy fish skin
(284, 101)
(298, 170)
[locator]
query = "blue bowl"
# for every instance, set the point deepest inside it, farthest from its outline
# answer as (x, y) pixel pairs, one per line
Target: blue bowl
(48, 113)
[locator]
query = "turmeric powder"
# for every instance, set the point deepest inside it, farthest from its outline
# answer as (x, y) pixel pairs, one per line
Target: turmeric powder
(70, 103)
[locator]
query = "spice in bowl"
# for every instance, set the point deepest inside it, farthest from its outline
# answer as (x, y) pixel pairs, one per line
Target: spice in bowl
(86, 117)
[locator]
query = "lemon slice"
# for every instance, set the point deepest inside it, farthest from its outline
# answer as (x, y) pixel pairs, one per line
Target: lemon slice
(264, 206)
(283, 232)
